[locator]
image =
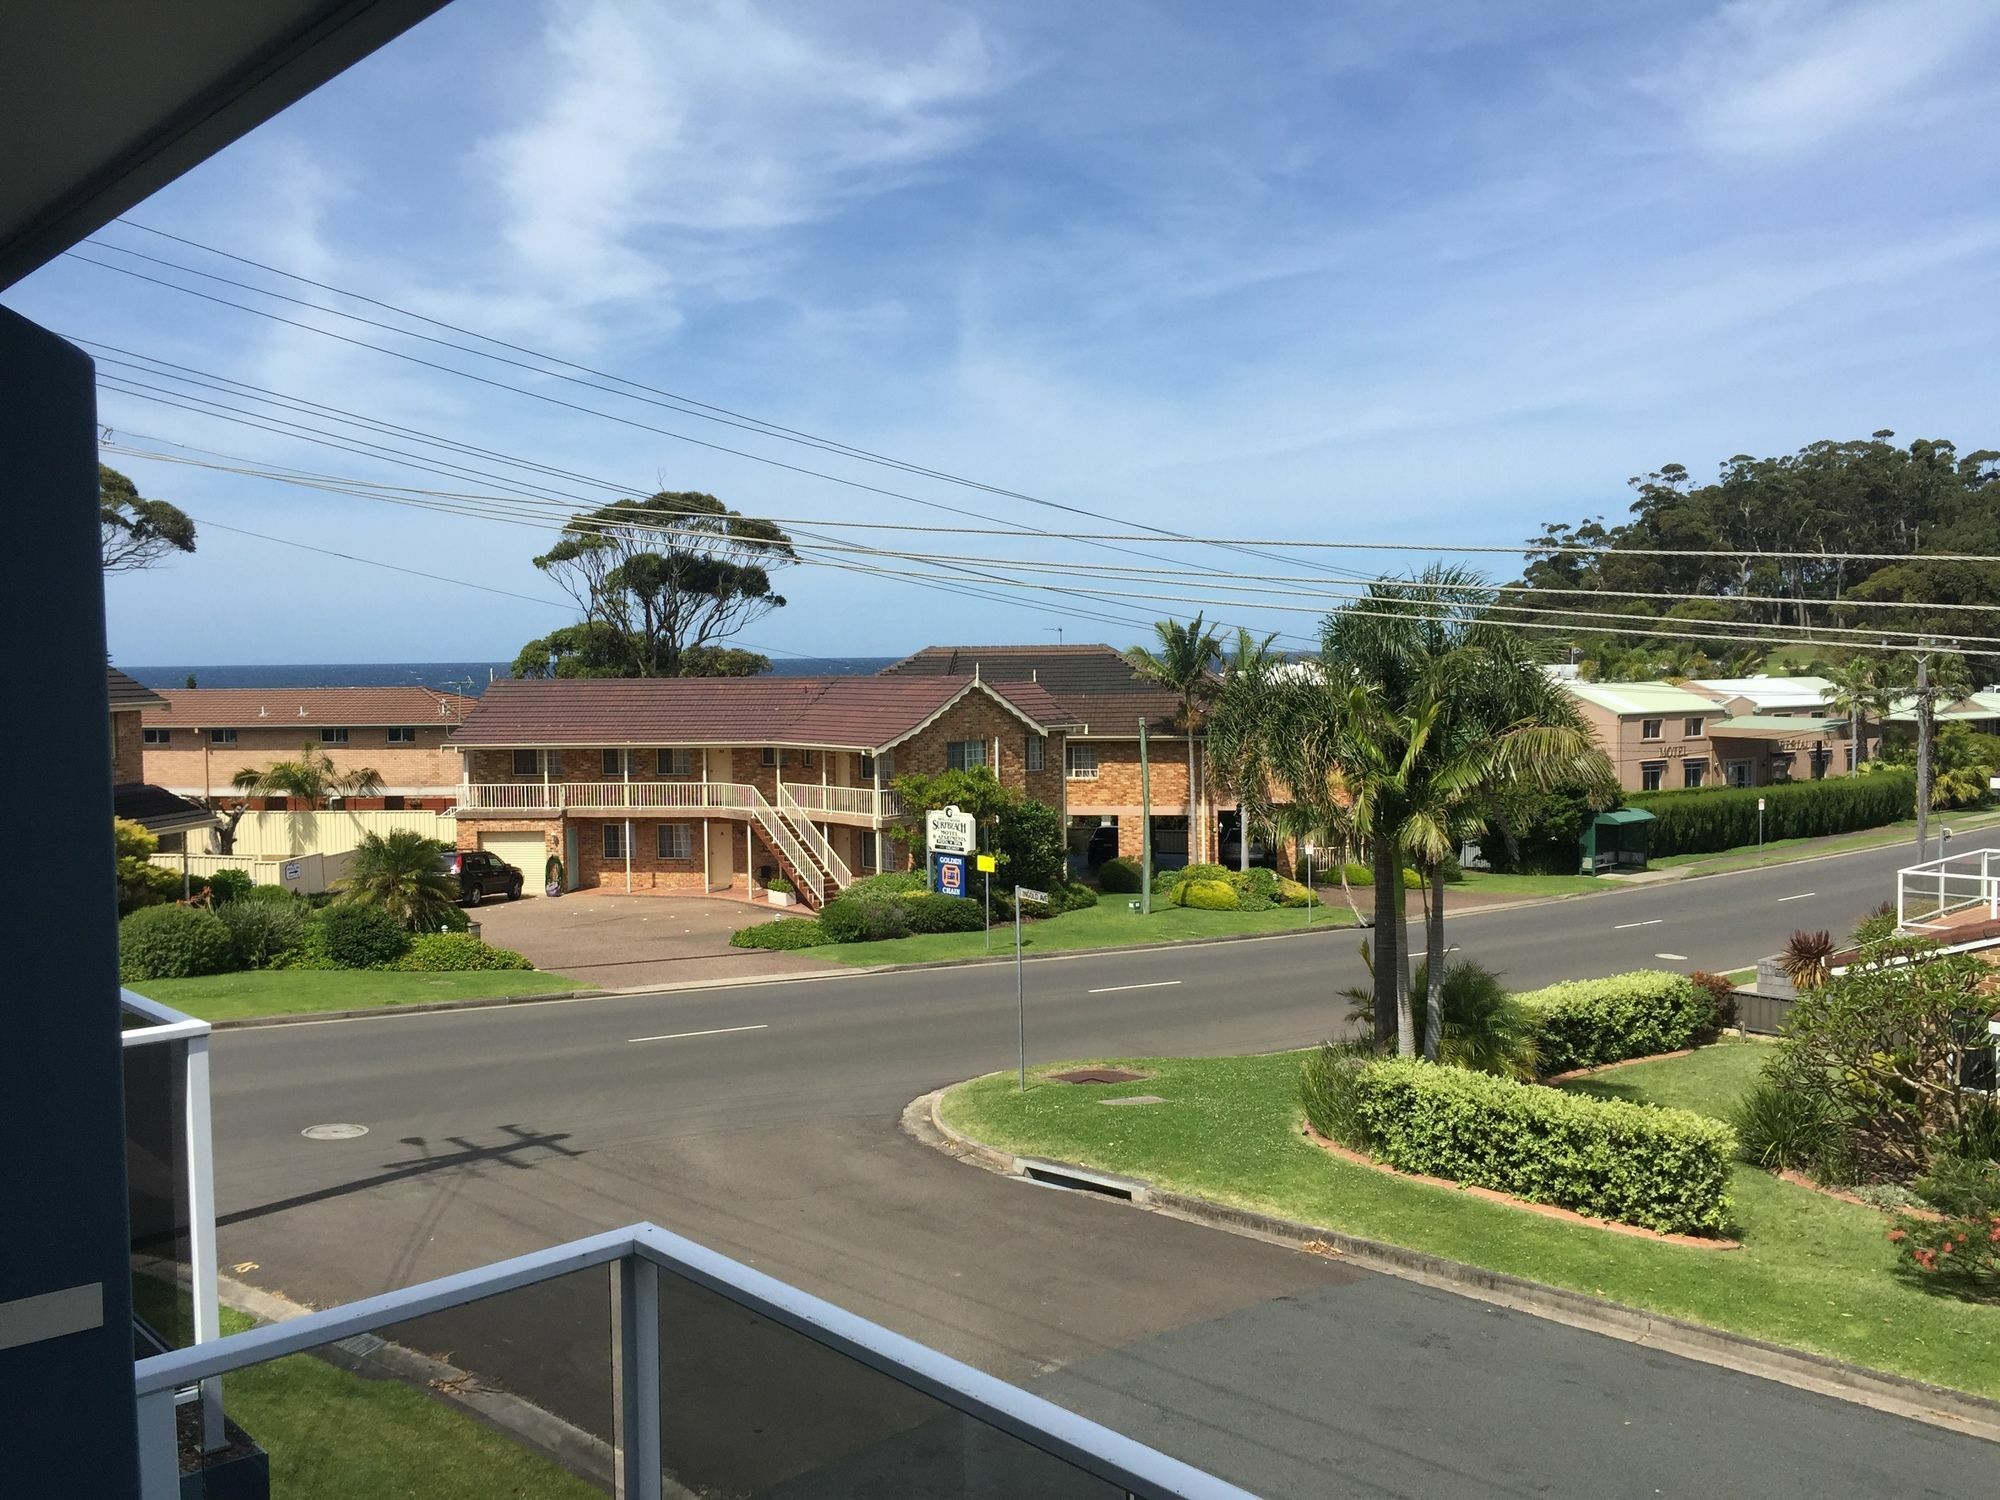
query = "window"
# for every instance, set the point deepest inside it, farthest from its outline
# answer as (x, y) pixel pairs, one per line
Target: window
(676, 763)
(1649, 729)
(333, 736)
(614, 840)
(402, 735)
(963, 755)
(394, 804)
(1692, 729)
(1694, 772)
(222, 736)
(613, 762)
(1080, 762)
(676, 841)
(867, 768)
(770, 757)
(867, 865)
(808, 758)
(1650, 773)
(527, 763)
(1035, 752)
(157, 736)
(1737, 773)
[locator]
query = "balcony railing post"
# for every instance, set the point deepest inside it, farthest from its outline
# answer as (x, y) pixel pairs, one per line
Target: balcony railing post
(635, 1376)
(159, 1448)
(202, 1253)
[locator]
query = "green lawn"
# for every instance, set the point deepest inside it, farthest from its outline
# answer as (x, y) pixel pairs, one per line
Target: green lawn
(336, 1436)
(1109, 924)
(1813, 1272)
(284, 992)
(1528, 887)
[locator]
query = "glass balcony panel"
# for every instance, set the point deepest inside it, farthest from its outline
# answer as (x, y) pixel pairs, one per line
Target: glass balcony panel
(156, 1187)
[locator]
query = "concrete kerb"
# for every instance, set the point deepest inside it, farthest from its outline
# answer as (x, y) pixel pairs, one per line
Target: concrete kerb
(1879, 1390)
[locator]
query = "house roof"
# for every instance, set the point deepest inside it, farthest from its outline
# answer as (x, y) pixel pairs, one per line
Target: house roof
(1093, 684)
(157, 808)
(1773, 726)
(1627, 698)
(1765, 692)
(859, 713)
(264, 708)
(127, 693)
(1981, 705)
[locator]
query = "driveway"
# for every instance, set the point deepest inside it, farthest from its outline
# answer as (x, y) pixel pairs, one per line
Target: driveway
(620, 942)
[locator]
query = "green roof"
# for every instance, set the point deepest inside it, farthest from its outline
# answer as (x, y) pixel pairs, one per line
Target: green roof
(1625, 815)
(1764, 726)
(1662, 698)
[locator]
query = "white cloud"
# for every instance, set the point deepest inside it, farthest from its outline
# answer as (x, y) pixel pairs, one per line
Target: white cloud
(1772, 77)
(663, 123)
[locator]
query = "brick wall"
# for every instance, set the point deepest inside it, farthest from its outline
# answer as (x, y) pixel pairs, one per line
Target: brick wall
(128, 760)
(650, 873)
(978, 717)
(193, 766)
(552, 836)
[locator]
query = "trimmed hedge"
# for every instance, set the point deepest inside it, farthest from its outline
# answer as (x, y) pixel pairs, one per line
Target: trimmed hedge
(456, 952)
(1581, 1023)
(1292, 893)
(1702, 820)
(927, 912)
(1206, 895)
(355, 935)
(172, 942)
(784, 934)
(1121, 876)
(1662, 1169)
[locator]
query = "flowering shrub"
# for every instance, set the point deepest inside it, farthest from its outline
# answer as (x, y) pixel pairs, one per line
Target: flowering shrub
(1960, 1250)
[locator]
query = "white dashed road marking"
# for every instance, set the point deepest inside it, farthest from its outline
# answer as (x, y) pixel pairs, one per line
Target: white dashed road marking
(1112, 989)
(1799, 897)
(1679, 958)
(1655, 922)
(680, 1036)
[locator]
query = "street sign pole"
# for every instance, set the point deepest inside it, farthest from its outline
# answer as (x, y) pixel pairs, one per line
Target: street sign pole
(1309, 885)
(1760, 826)
(1145, 826)
(1021, 894)
(989, 914)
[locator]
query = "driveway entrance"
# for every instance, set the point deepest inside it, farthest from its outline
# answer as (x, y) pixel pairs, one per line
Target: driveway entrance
(622, 942)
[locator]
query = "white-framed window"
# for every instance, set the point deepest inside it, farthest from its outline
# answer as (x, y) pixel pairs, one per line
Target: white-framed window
(614, 840)
(613, 762)
(1694, 771)
(1692, 729)
(1035, 752)
(402, 734)
(157, 736)
(963, 755)
(527, 763)
(1649, 729)
(770, 755)
(1650, 773)
(867, 768)
(676, 841)
(867, 864)
(676, 762)
(1080, 762)
(222, 736)
(333, 735)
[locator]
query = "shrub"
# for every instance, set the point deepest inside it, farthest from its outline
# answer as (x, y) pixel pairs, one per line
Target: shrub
(1165, 881)
(1068, 897)
(140, 881)
(864, 918)
(1484, 1029)
(780, 886)
(230, 885)
(1722, 995)
(1581, 1023)
(1121, 876)
(1962, 1186)
(171, 942)
(1292, 893)
(1255, 881)
(1781, 1125)
(263, 932)
(453, 952)
(1365, 875)
(1807, 959)
(1028, 837)
(1329, 1087)
(784, 933)
(1705, 819)
(1206, 895)
(357, 935)
(1663, 1169)
(889, 883)
(935, 913)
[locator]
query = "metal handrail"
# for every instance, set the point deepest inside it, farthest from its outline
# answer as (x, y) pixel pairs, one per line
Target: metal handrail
(1947, 885)
(815, 840)
(640, 1252)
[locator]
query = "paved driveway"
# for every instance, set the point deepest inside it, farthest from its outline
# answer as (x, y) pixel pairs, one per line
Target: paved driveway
(620, 942)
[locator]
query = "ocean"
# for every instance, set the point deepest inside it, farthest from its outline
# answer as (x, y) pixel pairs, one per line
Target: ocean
(461, 676)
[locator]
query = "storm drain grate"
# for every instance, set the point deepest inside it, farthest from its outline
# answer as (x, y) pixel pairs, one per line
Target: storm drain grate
(1097, 1075)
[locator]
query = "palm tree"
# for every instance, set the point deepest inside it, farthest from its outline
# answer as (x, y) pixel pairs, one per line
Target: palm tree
(1861, 685)
(1239, 733)
(1184, 662)
(1680, 661)
(402, 872)
(313, 777)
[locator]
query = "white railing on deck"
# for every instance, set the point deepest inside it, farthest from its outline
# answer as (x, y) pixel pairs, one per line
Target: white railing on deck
(512, 796)
(854, 801)
(650, 796)
(815, 840)
(1929, 895)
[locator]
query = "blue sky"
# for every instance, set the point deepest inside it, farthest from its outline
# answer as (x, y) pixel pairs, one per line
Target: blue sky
(1411, 272)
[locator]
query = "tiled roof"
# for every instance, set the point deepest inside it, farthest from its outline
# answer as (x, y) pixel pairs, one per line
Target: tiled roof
(862, 713)
(127, 693)
(1094, 684)
(251, 708)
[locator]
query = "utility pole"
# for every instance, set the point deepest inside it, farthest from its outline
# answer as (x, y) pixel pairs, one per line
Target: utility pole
(1923, 751)
(1145, 826)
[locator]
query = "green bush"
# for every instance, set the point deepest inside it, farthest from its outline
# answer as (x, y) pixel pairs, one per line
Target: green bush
(1662, 1169)
(171, 942)
(1780, 1125)
(1329, 1087)
(230, 885)
(1365, 875)
(357, 935)
(785, 933)
(1255, 881)
(867, 917)
(262, 932)
(454, 952)
(889, 883)
(1206, 895)
(1722, 995)
(1121, 876)
(779, 886)
(1582, 1023)
(1704, 819)
(935, 913)
(1070, 897)
(1292, 893)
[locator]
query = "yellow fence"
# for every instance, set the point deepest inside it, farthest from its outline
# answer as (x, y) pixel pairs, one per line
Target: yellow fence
(307, 874)
(285, 835)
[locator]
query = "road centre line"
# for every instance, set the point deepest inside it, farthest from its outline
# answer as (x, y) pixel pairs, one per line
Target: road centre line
(1112, 989)
(1652, 922)
(680, 1036)
(1799, 897)
(1679, 958)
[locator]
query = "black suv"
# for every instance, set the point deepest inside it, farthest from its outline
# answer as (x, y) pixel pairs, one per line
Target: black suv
(481, 875)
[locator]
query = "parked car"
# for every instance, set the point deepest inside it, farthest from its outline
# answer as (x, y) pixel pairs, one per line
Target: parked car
(1103, 845)
(1230, 851)
(481, 875)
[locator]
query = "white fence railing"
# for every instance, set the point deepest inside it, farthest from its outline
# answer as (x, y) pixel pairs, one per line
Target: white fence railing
(844, 801)
(652, 796)
(815, 840)
(672, 796)
(1929, 895)
(511, 796)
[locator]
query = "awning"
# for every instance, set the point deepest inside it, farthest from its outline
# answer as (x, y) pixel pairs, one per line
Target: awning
(1625, 815)
(1774, 727)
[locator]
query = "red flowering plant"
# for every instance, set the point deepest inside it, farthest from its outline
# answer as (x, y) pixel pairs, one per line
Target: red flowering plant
(1960, 1243)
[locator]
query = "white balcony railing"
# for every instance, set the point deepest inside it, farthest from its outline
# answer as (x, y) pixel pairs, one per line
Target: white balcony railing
(651, 796)
(815, 840)
(1932, 894)
(511, 796)
(848, 801)
(672, 796)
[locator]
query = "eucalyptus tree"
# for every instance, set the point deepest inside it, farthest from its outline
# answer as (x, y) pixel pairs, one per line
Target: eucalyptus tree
(1183, 659)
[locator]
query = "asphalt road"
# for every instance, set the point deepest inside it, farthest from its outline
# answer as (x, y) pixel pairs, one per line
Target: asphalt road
(761, 1120)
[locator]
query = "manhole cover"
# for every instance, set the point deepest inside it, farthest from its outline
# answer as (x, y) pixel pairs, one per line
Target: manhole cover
(1097, 1075)
(333, 1132)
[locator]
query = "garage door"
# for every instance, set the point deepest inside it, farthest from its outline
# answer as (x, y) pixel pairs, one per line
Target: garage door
(524, 851)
